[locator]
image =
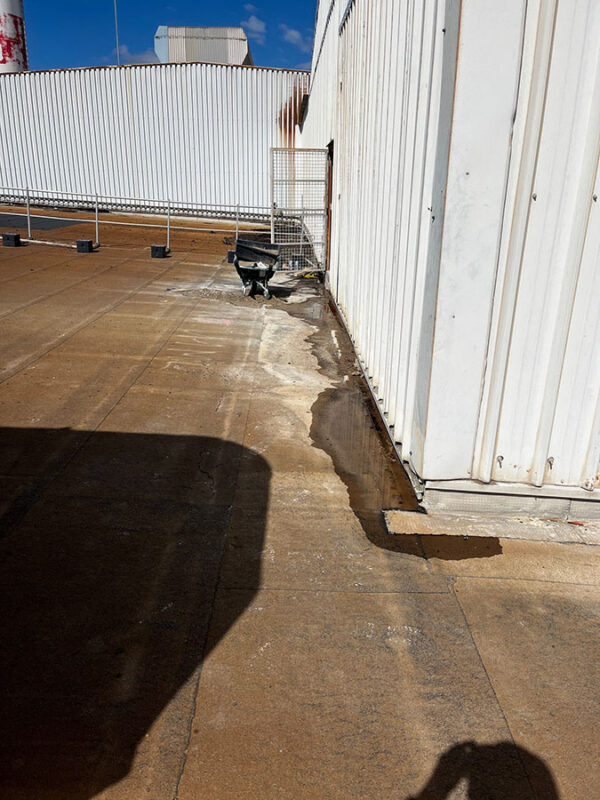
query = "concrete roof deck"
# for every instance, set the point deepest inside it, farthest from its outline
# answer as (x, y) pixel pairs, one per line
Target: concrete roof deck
(199, 598)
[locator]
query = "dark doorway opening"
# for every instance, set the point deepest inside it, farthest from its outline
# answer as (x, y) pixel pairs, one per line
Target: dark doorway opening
(329, 201)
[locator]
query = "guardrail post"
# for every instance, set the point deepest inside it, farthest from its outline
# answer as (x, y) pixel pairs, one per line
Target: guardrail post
(302, 232)
(168, 225)
(97, 236)
(272, 223)
(28, 214)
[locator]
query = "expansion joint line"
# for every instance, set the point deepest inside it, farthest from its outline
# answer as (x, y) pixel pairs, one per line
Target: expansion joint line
(491, 685)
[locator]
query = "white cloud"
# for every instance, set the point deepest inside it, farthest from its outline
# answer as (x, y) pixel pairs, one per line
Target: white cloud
(294, 37)
(127, 57)
(250, 8)
(255, 28)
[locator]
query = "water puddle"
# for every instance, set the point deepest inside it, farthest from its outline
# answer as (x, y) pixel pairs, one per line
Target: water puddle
(346, 426)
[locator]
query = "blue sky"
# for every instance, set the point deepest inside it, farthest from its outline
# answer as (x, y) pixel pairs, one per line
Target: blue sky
(80, 33)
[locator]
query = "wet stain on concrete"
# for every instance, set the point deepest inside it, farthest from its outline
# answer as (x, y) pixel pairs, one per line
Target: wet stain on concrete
(208, 293)
(459, 548)
(345, 425)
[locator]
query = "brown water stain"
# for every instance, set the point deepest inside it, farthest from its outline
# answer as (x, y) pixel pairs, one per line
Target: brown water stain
(459, 548)
(345, 421)
(345, 425)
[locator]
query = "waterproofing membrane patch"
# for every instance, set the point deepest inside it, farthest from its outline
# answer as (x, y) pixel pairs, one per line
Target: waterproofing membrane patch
(37, 223)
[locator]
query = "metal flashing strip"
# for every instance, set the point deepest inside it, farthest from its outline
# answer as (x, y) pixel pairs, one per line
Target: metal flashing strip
(472, 497)
(520, 489)
(345, 16)
(509, 505)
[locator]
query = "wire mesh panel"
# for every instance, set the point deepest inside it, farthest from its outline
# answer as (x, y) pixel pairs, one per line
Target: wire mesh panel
(299, 205)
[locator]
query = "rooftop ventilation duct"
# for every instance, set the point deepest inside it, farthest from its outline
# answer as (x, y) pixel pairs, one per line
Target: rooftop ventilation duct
(212, 45)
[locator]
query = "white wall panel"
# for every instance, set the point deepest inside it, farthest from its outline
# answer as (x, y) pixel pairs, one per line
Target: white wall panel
(485, 97)
(195, 133)
(465, 229)
(377, 92)
(544, 427)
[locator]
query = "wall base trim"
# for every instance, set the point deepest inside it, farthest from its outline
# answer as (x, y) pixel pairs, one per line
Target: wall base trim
(562, 502)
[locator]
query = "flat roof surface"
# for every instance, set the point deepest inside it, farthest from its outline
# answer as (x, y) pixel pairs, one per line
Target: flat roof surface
(198, 595)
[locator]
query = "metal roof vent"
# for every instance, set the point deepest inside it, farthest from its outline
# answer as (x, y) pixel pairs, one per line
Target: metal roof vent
(212, 45)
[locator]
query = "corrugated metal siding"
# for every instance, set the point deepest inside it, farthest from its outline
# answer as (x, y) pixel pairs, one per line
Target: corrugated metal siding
(328, 12)
(198, 133)
(378, 93)
(486, 91)
(466, 230)
(215, 45)
(541, 405)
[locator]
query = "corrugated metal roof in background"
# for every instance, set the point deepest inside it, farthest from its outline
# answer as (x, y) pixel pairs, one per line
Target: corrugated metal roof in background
(197, 133)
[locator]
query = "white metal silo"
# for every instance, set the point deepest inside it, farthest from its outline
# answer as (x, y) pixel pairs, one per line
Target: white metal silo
(13, 49)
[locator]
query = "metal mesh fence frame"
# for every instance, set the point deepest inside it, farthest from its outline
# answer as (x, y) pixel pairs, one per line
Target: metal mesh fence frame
(300, 227)
(50, 198)
(299, 205)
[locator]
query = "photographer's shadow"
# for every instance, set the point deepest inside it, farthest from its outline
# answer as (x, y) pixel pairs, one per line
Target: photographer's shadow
(111, 554)
(501, 771)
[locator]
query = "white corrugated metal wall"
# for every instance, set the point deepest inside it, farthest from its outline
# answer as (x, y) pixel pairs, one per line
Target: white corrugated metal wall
(540, 416)
(465, 229)
(379, 92)
(197, 133)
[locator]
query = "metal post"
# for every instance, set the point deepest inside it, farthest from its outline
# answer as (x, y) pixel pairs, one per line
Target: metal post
(237, 222)
(97, 236)
(168, 226)
(28, 215)
(117, 35)
(302, 231)
(272, 223)
(272, 176)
